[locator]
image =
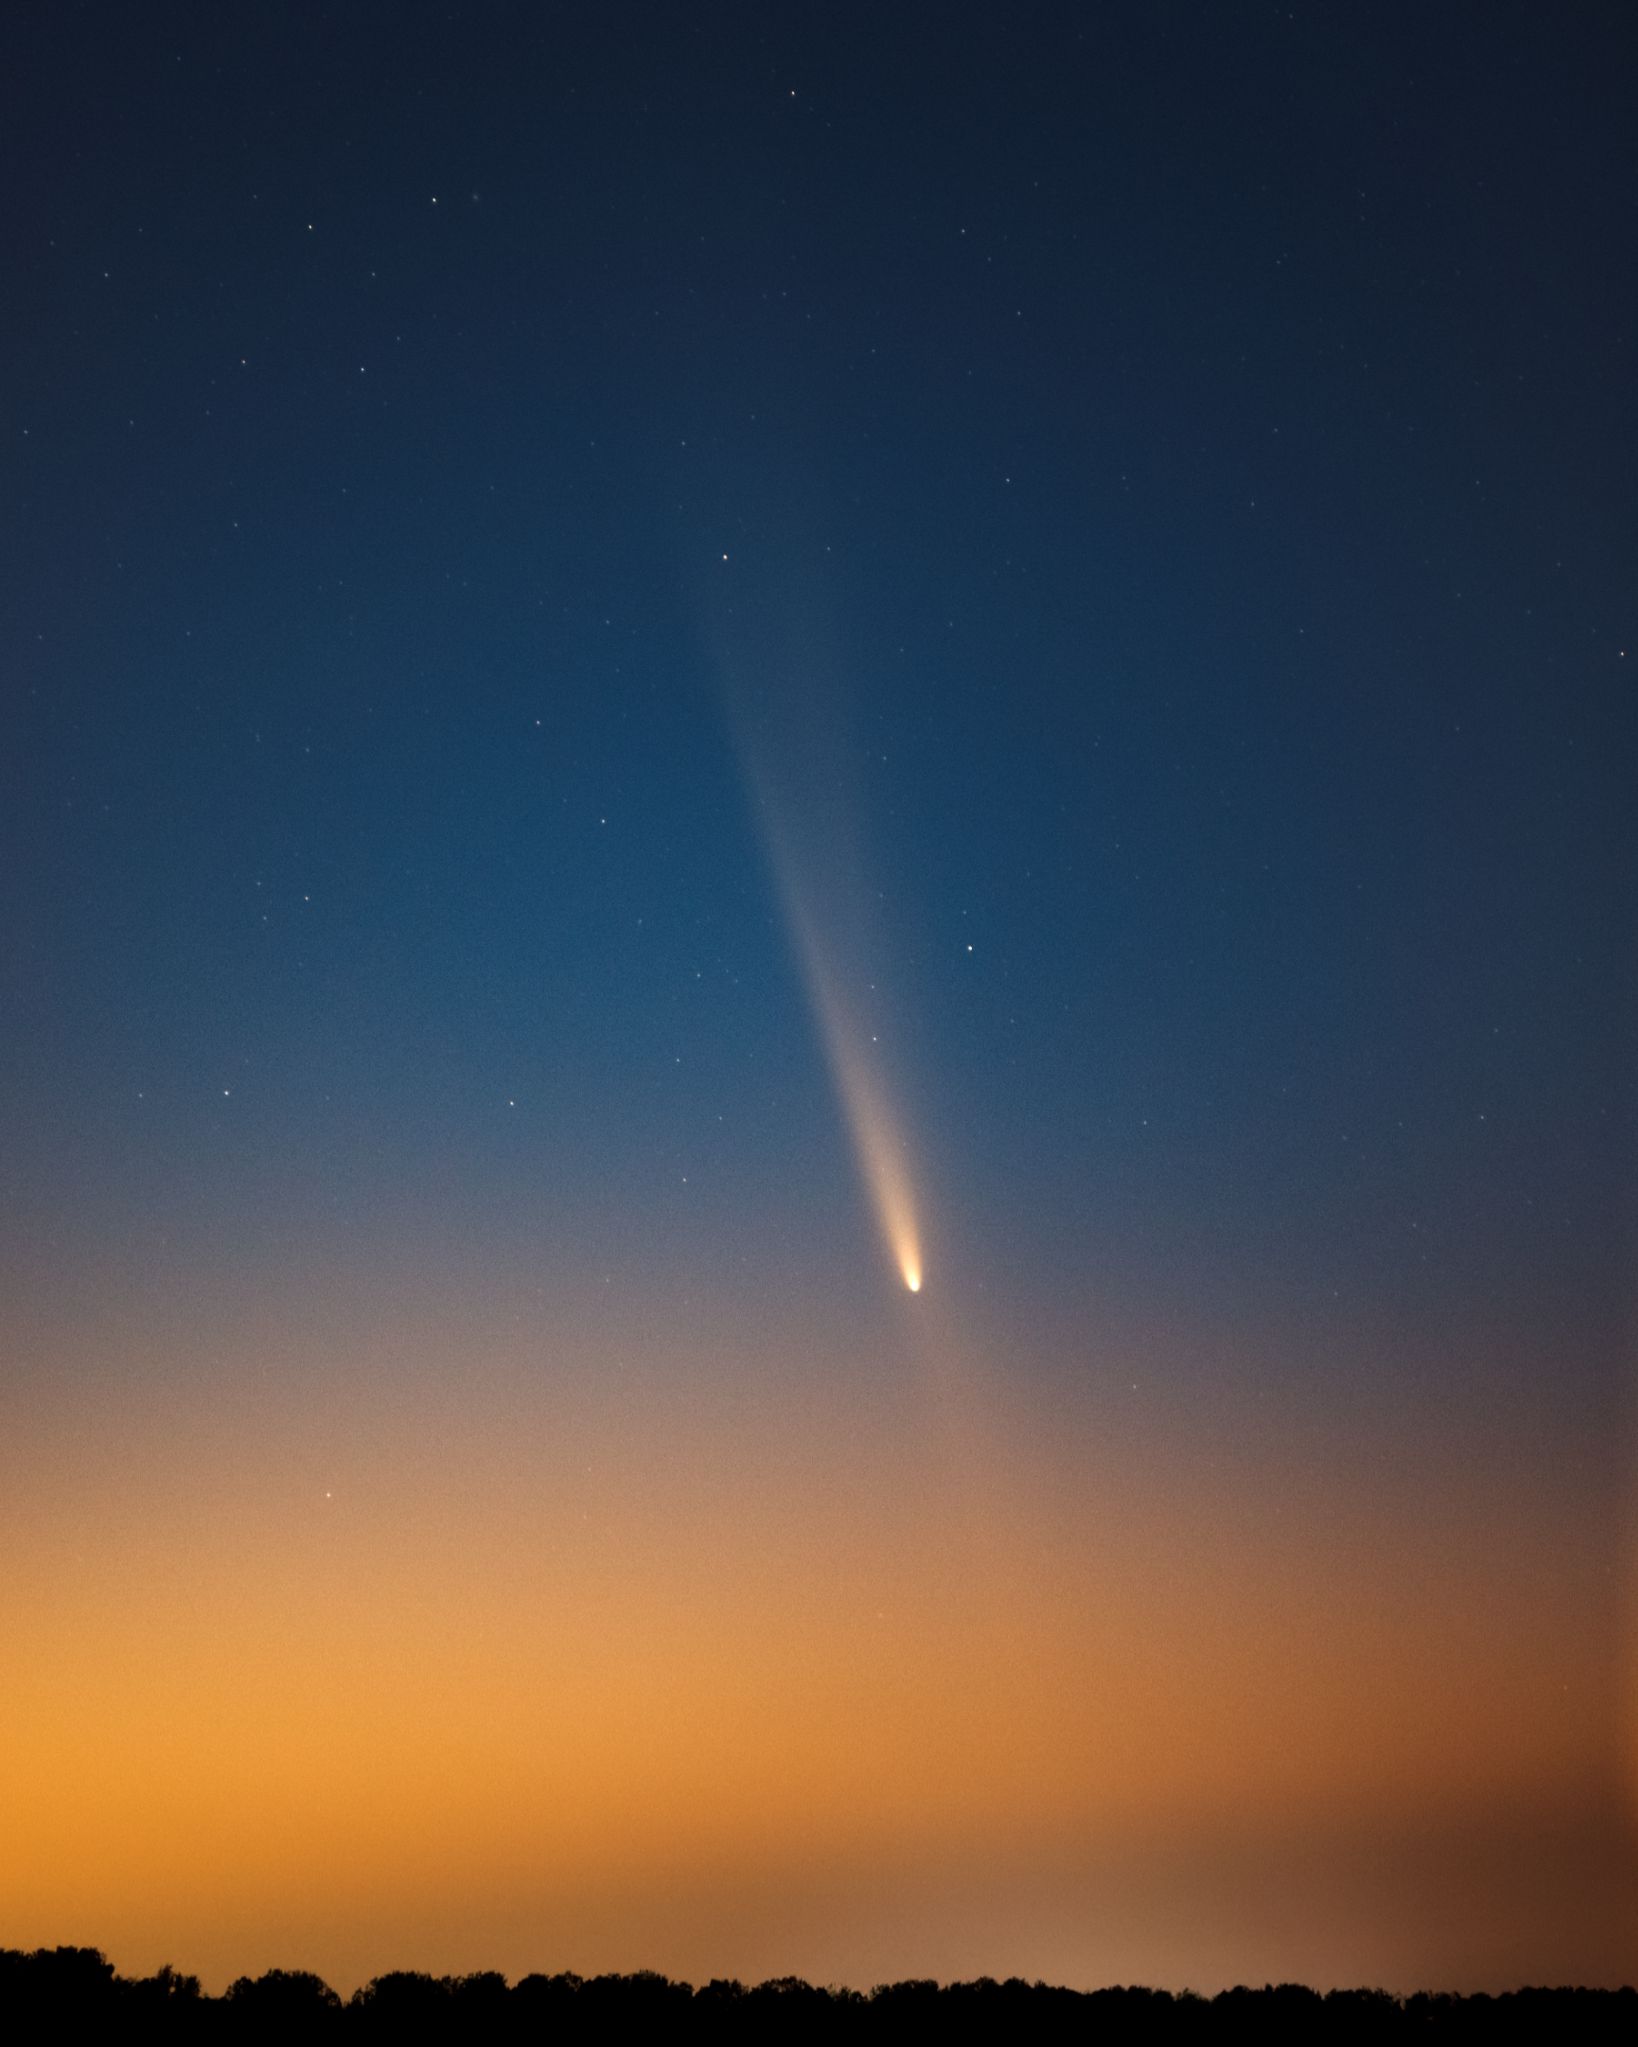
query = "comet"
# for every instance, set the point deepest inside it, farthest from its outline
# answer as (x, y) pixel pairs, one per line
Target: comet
(878, 1141)
(784, 721)
(857, 1073)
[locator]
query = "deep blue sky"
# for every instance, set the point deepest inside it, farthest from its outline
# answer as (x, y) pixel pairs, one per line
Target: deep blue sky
(1202, 438)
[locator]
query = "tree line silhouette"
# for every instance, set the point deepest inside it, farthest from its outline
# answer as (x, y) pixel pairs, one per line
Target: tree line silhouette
(53, 1989)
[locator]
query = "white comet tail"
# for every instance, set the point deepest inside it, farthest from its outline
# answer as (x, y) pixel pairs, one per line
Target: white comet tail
(878, 1142)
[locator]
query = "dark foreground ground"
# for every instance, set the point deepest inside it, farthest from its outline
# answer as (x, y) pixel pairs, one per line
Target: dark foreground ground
(76, 1993)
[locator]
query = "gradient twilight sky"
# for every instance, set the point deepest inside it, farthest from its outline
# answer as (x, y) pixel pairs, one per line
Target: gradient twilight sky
(651, 651)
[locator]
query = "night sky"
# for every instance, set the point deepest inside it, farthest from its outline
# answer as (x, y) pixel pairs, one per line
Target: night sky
(665, 668)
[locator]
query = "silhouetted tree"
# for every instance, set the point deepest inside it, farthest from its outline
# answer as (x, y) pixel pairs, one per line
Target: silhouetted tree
(75, 1991)
(54, 1986)
(288, 2001)
(644, 1998)
(544, 2006)
(480, 2002)
(402, 2000)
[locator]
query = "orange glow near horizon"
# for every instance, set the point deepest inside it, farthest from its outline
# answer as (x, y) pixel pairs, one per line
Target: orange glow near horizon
(556, 1669)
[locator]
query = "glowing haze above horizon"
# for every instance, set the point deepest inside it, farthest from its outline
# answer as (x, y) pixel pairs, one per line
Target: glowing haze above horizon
(817, 846)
